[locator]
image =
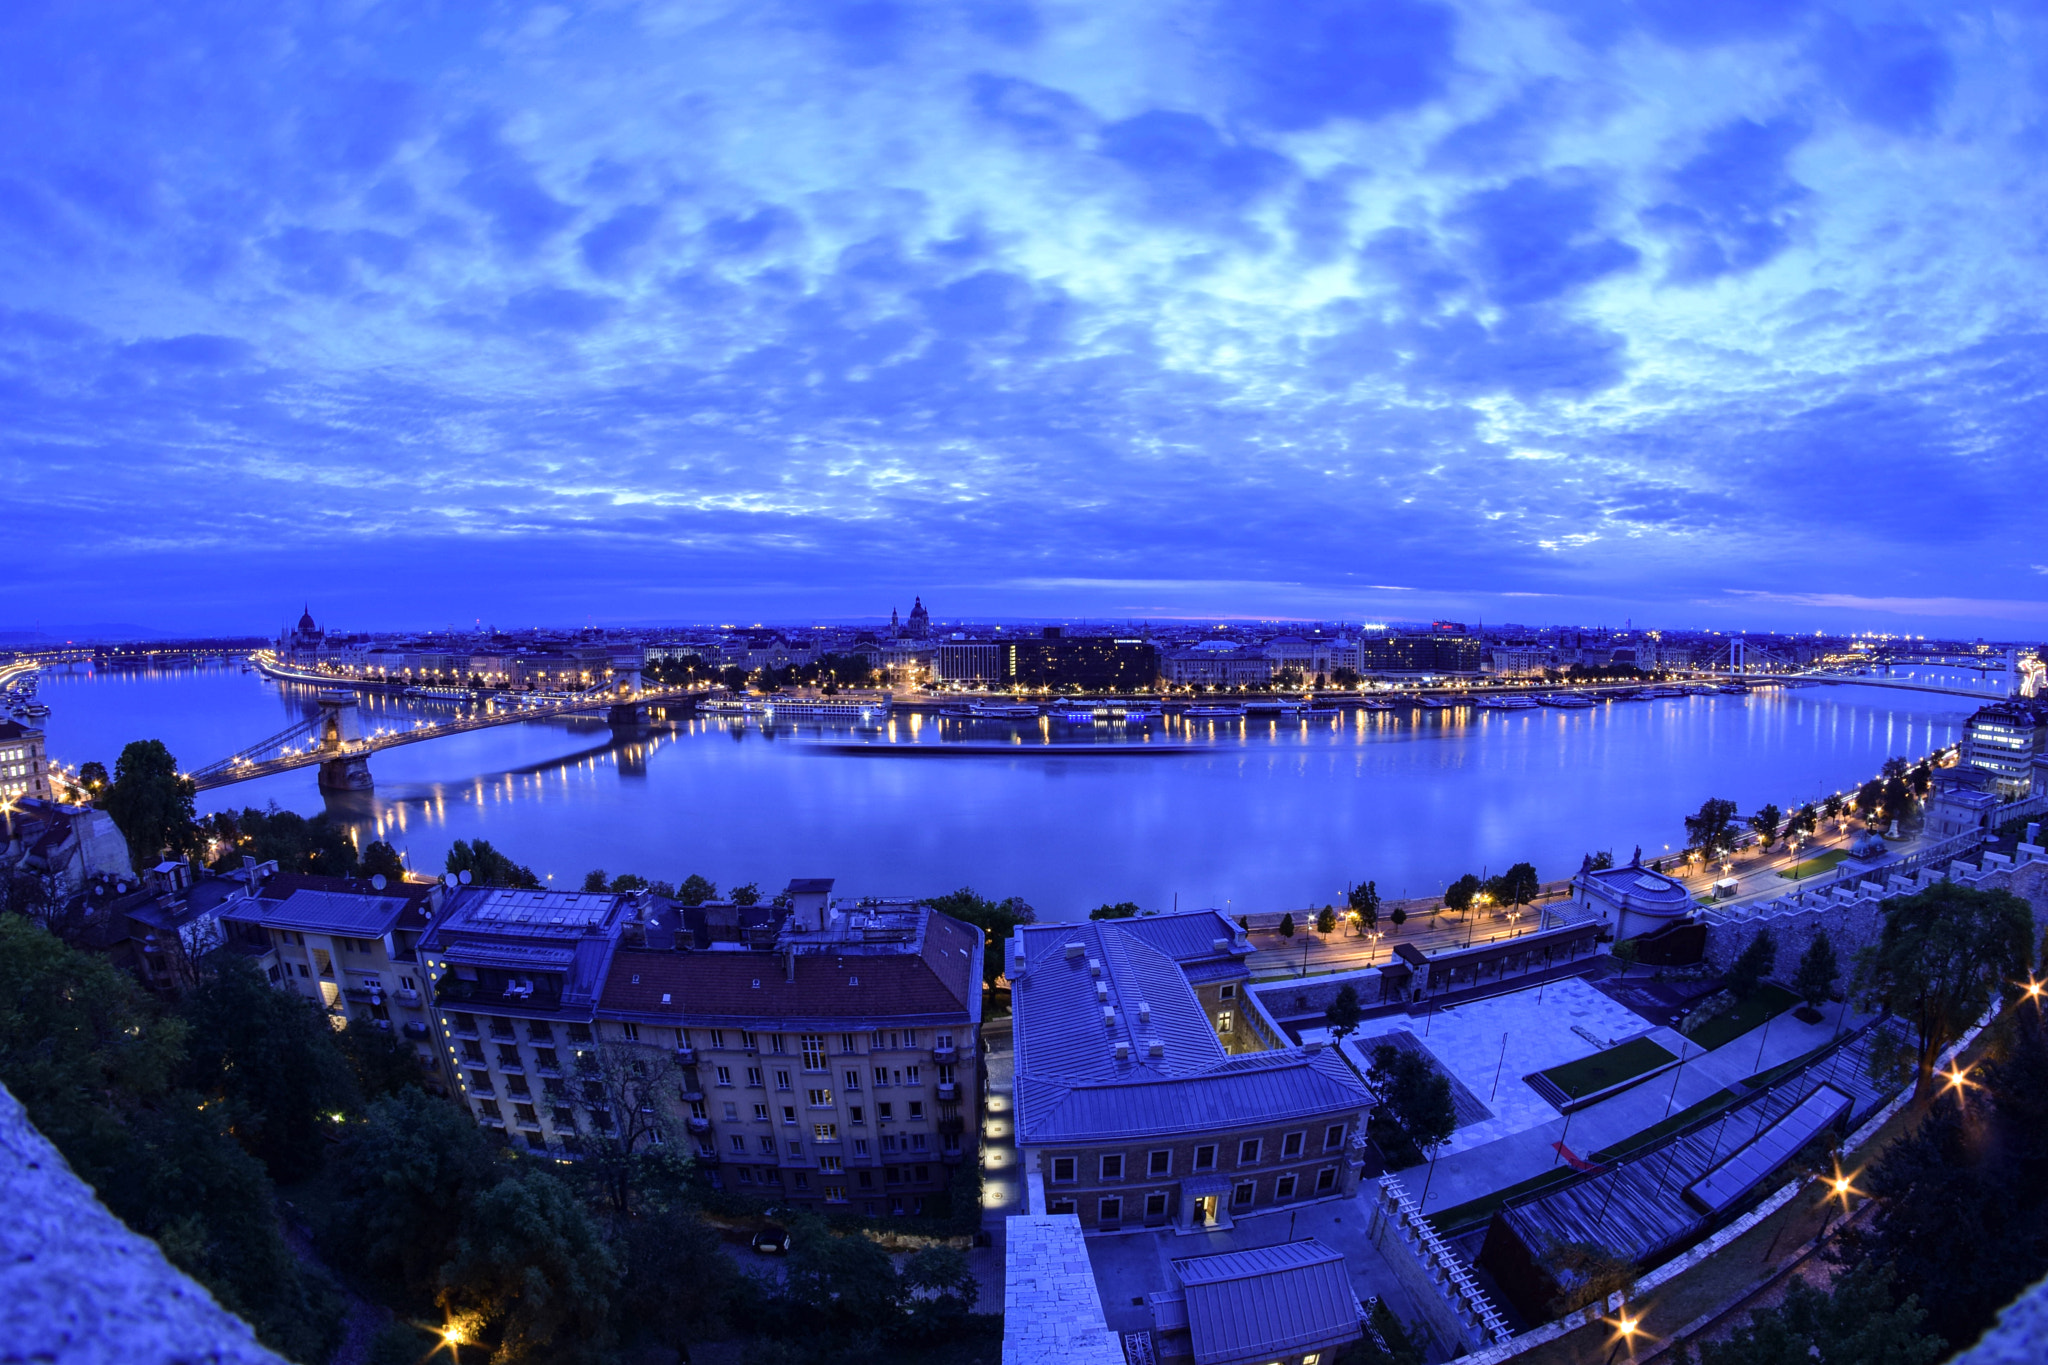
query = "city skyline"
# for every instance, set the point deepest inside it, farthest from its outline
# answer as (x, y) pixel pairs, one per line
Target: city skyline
(1329, 311)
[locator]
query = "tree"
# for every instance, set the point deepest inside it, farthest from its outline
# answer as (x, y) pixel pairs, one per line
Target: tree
(92, 775)
(1326, 921)
(271, 1058)
(1832, 807)
(1626, 952)
(1121, 910)
(1803, 822)
(1398, 918)
(1519, 884)
(1601, 861)
(1364, 901)
(1344, 1014)
(1897, 798)
(1756, 961)
(152, 804)
(624, 1089)
(940, 1291)
(1712, 828)
(1287, 925)
(594, 880)
(678, 1278)
(1462, 892)
(695, 890)
(840, 1286)
(997, 920)
(1766, 823)
(381, 860)
(1942, 955)
(407, 1173)
(488, 867)
(295, 843)
(1416, 1095)
(1855, 1323)
(750, 894)
(1814, 979)
(533, 1269)
(1870, 802)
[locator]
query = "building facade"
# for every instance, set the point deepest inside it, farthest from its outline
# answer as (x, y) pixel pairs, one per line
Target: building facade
(1092, 663)
(1153, 1092)
(24, 766)
(1434, 655)
(968, 662)
(2005, 748)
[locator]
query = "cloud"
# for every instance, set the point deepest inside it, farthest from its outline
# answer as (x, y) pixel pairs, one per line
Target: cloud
(1300, 63)
(1734, 205)
(612, 245)
(1540, 237)
(1188, 168)
(1895, 76)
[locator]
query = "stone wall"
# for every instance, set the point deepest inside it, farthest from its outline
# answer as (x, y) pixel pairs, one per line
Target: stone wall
(1052, 1312)
(1853, 914)
(77, 1285)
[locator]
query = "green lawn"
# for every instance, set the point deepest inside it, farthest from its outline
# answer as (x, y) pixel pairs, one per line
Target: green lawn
(1590, 1075)
(1767, 1003)
(1814, 866)
(1479, 1210)
(1719, 1100)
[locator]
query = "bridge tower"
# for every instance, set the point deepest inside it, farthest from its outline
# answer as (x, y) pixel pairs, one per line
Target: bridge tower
(627, 685)
(340, 733)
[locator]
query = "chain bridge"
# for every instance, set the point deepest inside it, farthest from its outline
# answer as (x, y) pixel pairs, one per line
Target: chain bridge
(335, 740)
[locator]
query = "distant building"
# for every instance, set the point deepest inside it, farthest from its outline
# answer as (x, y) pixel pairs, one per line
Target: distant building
(920, 624)
(2005, 748)
(1093, 663)
(1151, 1089)
(1290, 1304)
(24, 766)
(1432, 655)
(304, 642)
(968, 661)
(1518, 661)
(1204, 666)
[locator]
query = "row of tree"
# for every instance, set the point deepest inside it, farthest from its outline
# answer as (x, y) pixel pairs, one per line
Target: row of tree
(1716, 827)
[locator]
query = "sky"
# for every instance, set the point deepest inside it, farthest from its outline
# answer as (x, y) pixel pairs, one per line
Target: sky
(1722, 314)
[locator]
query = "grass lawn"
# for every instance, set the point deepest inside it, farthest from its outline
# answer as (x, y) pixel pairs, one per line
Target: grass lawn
(1767, 1003)
(1713, 1103)
(1814, 866)
(1590, 1075)
(1479, 1210)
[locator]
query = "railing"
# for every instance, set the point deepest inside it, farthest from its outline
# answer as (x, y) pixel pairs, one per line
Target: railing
(1444, 1267)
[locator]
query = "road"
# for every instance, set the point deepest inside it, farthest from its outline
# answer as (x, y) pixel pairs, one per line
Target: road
(1310, 954)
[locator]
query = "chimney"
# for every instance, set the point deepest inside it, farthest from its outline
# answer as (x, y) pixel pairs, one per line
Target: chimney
(1154, 1048)
(1312, 1047)
(1108, 1017)
(1095, 966)
(1123, 1051)
(1219, 945)
(789, 966)
(1075, 949)
(1144, 1012)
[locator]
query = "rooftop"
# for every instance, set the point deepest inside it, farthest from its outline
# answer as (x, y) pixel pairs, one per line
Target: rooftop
(1267, 1303)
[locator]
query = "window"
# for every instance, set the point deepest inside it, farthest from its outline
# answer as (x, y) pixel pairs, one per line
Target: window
(910, 1076)
(746, 1175)
(860, 1147)
(1059, 1206)
(753, 1075)
(1283, 1188)
(747, 1039)
(835, 1194)
(910, 1038)
(761, 1112)
(1155, 1206)
(525, 1114)
(767, 1146)
(825, 1132)
(944, 1040)
(517, 1085)
(718, 1037)
(1063, 1168)
(538, 1031)
(813, 1045)
(852, 1079)
(1291, 1145)
(1226, 992)
(565, 1119)
(1326, 1180)
(796, 1147)
(630, 1032)
(1312, 1358)
(889, 1145)
(881, 1075)
(847, 1043)
(1248, 1151)
(739, 1144)
(732, 1111)
(830, 1163)
(545, 1059)
(1113, 1166)
(885, 1109)
(803, 1182)
(1333, 1137)
(789, 1113)
(1110, 1211)
(782, 1080)
(918, 1142)
(917, 1109)
(946, 1074)
(724, 1075)
(579, 1033)
(1160, 1163)
(775, 1042)
(697, 1110)
(1242, 1196)
(508, 1055)
(1226, 1021)
(858, 1114)
(819, 1098)
(1205, 1157)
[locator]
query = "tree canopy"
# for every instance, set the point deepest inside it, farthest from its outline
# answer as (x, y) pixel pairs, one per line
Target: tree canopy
(531, 1265)
(1712, 828)
(996, 920)
(152, 804)
(488, 867)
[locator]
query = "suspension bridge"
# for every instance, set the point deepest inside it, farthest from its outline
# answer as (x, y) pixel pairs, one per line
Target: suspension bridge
(334, 738)
(2024, 675)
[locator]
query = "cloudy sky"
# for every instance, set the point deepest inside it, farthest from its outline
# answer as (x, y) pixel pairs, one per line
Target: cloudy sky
(1723, 313)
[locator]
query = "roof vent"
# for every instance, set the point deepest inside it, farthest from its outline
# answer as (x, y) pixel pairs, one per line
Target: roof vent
(664, 997)
(1075, 949)
(1095, 966)
(1313, 1046)
(757, 983)
(1220, 945)
(1108, 1016)
(853, 981)
(1123, 1051)
(1154, 1048)
(1102, 990)
(1144, 1012)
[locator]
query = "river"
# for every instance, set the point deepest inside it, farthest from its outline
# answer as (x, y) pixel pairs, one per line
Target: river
(1257, 816)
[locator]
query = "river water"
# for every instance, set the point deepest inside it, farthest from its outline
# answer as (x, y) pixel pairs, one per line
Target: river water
(1250, 816)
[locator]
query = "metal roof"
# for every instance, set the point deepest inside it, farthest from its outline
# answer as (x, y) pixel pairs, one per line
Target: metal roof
(331, 912)
(1268, 1303)
(1746, 1168)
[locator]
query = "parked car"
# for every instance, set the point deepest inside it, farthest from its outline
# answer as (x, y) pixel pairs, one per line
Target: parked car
(772, 1241)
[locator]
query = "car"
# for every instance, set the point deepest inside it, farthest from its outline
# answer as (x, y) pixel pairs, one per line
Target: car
(772, 1241)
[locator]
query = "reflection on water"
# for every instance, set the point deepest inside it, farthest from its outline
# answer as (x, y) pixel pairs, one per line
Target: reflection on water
(1256, 812)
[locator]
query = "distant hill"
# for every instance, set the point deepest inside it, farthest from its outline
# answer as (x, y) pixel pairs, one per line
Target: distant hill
(96, 632)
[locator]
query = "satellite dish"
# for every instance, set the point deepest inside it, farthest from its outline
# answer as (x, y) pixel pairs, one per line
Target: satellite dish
(450, 879)
(377, 882)
(465, 879)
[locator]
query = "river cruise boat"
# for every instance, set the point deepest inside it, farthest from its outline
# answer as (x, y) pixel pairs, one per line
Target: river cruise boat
(1322, 709)
(729, 706)
(1513, 703)
(1569, 701)
(1275, 706)
(1214, 713)
(825, 708)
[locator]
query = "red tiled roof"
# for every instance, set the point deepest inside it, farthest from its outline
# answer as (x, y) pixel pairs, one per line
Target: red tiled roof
(936, 981)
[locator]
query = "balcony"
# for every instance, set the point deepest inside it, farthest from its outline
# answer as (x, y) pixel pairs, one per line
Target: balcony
(945, 1054)
(478, 1090)
(416, 1030)
(477, 1062)
(686, 1056)
(692, 1096)
(697, 1125)
(511, 1066)
(469, 1033)
(407, 997)
(553, 1073)
(491, 1120)
(949, 1090)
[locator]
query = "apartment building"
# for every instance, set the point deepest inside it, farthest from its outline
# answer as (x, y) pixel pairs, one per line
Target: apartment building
(352, 947)
(1152, 1089)
(829, 1058)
